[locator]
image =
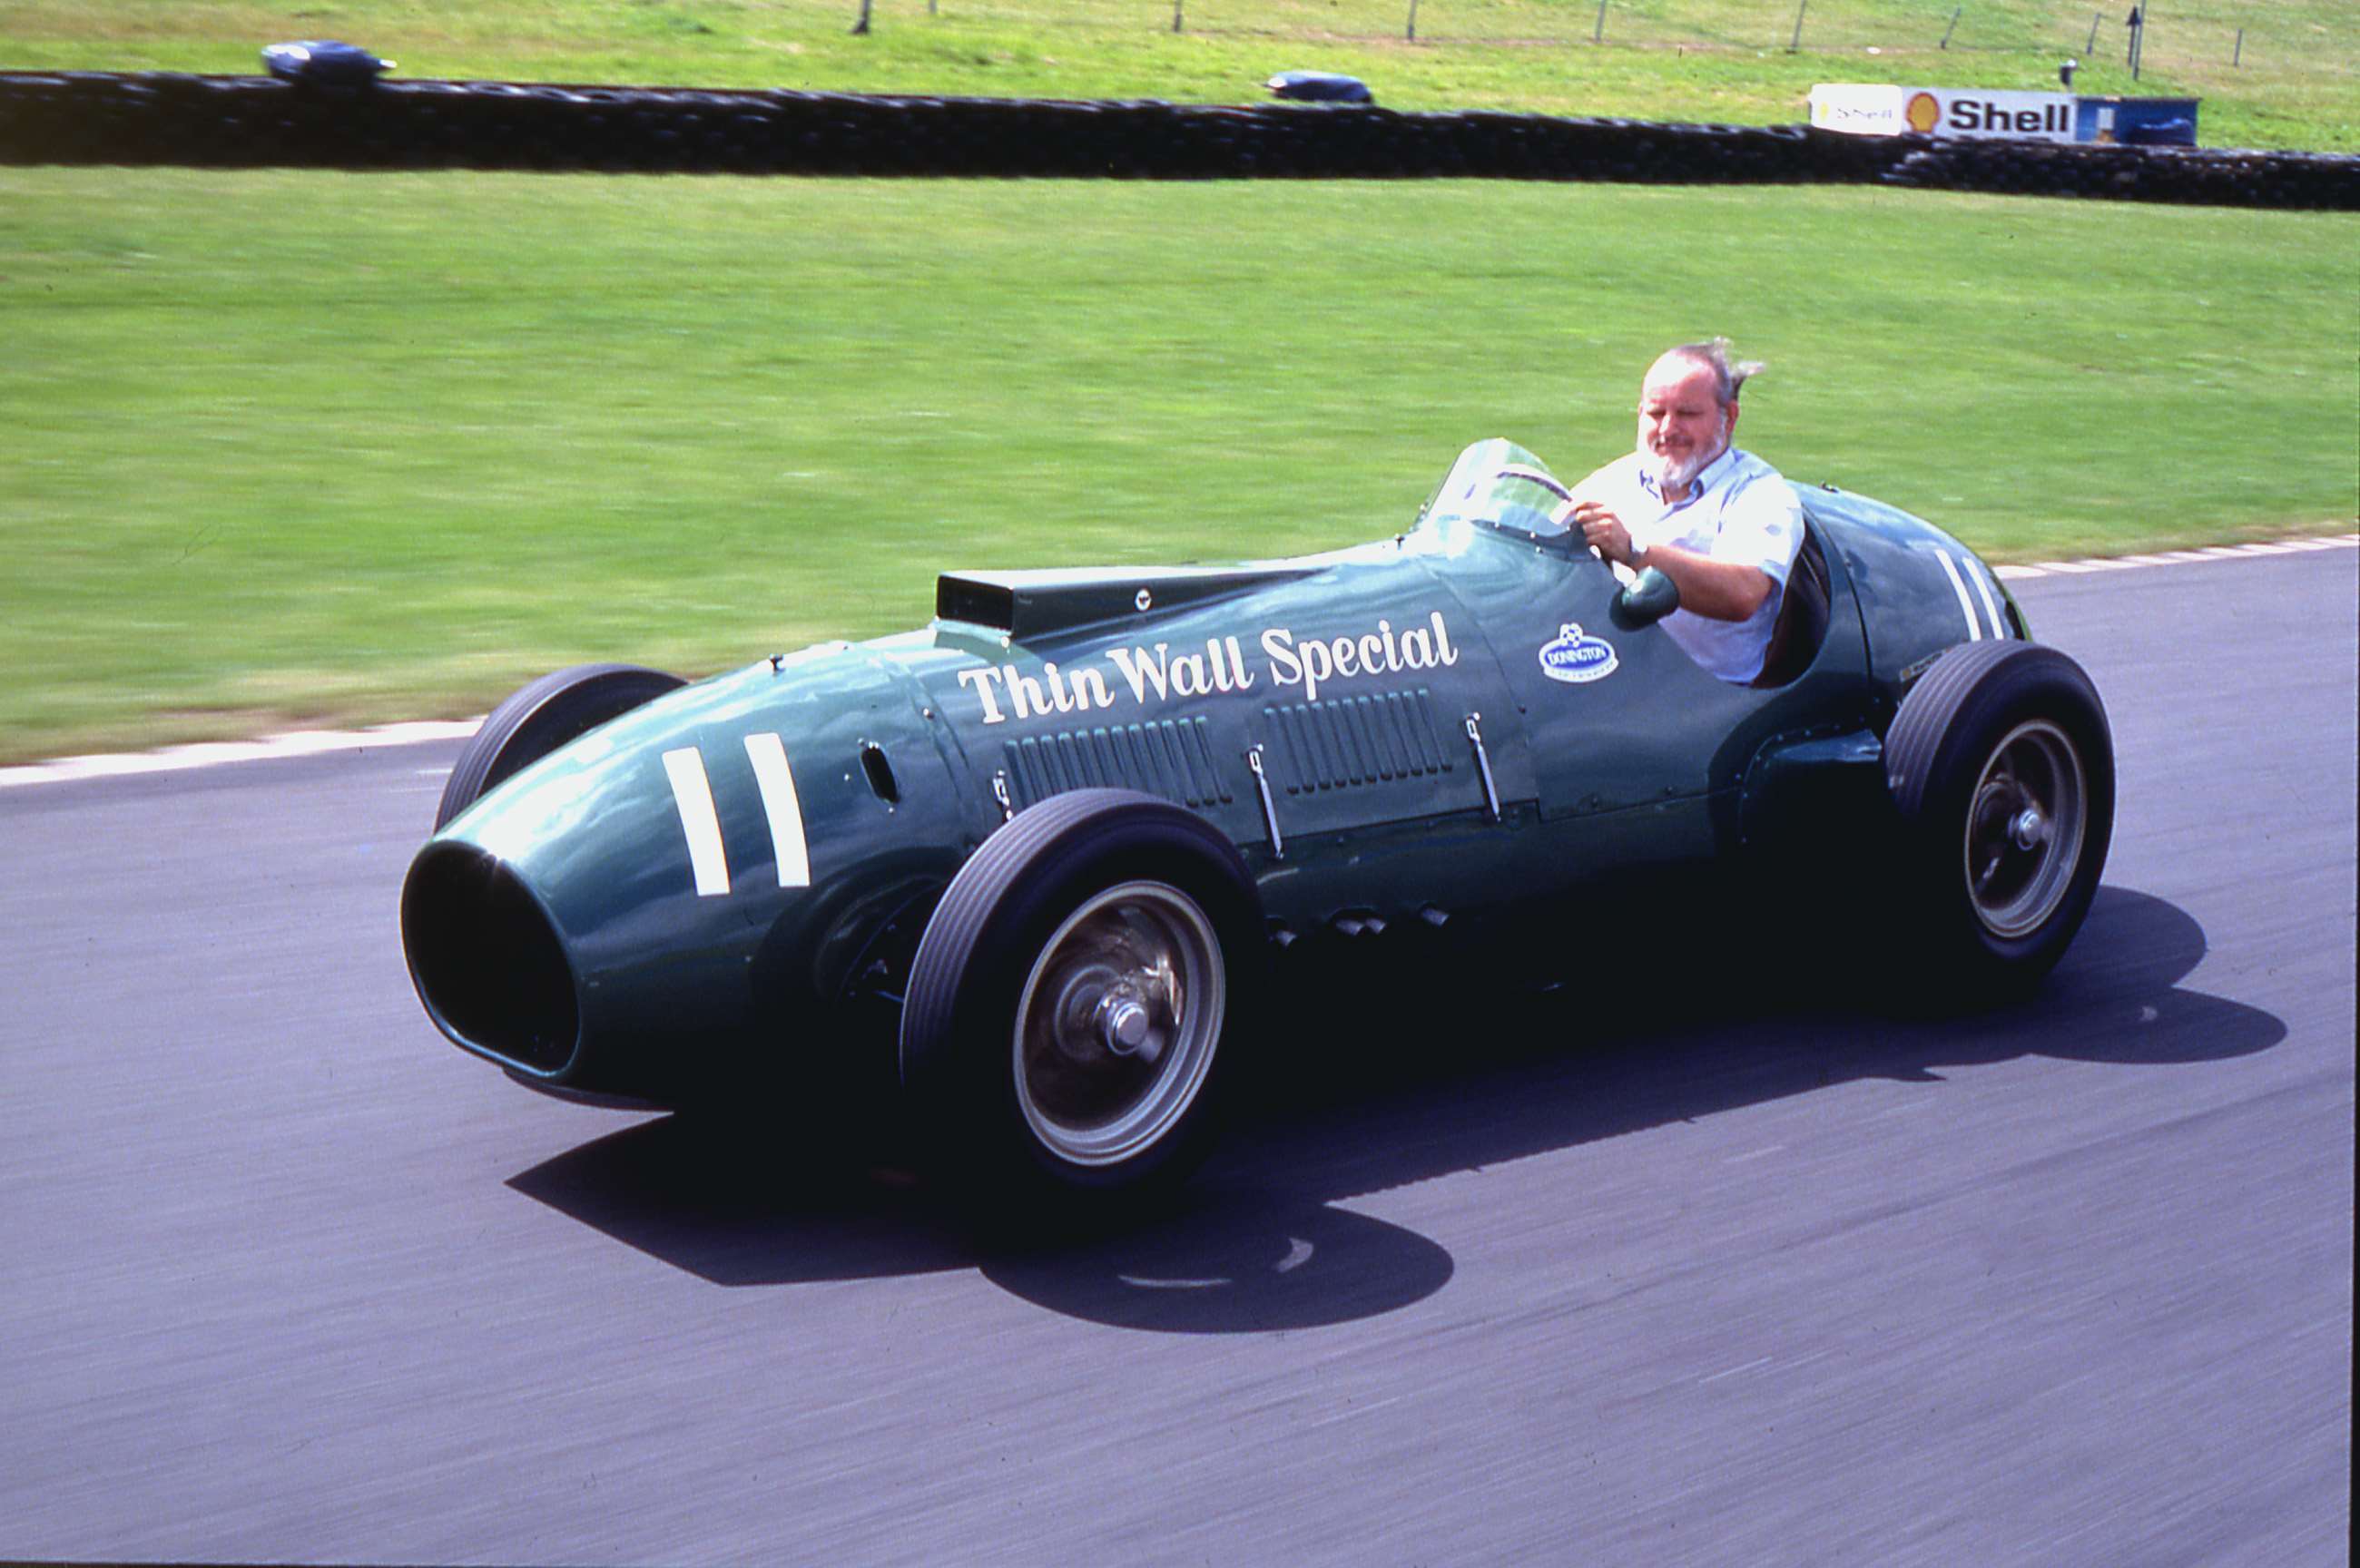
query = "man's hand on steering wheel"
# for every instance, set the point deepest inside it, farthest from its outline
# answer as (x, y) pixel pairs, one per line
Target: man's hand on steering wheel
(1601, 529)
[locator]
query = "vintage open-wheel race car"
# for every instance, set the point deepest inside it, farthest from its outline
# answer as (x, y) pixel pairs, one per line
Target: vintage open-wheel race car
(1035, 869)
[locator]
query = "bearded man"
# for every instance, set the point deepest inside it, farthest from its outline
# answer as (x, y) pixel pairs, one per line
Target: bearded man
(1719, 522)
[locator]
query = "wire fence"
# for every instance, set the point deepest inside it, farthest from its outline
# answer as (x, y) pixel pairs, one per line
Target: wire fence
(2177, 35)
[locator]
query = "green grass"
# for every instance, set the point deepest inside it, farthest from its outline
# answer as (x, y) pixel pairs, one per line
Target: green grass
(287, 448)
(2297, 85)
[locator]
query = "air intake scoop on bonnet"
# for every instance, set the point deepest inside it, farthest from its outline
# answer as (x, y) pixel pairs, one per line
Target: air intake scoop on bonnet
(1029, 604)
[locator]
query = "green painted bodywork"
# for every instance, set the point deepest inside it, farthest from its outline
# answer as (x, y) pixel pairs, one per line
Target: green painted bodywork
(1353, 679)
(1908, 605)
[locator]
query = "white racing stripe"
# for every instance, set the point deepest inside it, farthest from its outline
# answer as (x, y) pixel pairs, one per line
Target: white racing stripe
(698, 821)
(777, 782)
(1966, 606)
(1991, 605)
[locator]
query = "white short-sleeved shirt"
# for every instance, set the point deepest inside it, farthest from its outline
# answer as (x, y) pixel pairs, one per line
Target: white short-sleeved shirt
(1738, 509)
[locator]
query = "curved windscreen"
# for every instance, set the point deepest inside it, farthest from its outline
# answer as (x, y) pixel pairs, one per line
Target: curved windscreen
(1498, 485)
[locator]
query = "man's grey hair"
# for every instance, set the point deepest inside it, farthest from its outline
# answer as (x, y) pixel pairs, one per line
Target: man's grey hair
(1729, 376)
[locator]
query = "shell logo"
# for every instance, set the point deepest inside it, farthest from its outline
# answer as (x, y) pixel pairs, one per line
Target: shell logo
(1923, 113)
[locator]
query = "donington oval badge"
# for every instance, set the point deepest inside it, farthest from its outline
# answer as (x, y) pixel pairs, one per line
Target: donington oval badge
(1574, 657)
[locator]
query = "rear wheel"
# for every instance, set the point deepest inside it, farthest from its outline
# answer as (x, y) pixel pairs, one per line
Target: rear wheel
(2026, 818)
(2000, 764)
(538, 718)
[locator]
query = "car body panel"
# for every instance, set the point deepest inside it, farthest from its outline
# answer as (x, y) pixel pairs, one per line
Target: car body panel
(1917, 590)
(1461, 719)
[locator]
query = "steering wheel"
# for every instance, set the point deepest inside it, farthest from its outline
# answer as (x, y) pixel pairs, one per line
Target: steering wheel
(1547, 481)
(1550, 482)
(1642, 599)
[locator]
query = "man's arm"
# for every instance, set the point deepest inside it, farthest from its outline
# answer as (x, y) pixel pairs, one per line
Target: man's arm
(1717, 590)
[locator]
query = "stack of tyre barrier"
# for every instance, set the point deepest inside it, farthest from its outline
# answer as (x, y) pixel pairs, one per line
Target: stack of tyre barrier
(2214, 177)
(255, 121)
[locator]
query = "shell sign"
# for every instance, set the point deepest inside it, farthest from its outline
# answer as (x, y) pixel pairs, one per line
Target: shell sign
(1872, 109)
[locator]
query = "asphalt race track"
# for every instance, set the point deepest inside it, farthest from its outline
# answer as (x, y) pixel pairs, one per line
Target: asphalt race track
(1771, 1280)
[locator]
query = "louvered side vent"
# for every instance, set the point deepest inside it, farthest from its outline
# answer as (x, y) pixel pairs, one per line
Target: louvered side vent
(1349, 741)
(1174, 759)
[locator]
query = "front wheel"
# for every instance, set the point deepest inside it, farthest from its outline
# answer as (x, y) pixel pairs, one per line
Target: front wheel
(2001, 767)
(538, 718)
(1071, 1000)
(1118, 1025)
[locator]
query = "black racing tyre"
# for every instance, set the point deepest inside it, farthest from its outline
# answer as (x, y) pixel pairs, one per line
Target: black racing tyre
(2002, 768)
(1065, 1033)
(539, 718)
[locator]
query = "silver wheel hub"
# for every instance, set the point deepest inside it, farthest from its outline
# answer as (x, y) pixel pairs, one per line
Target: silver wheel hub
(2025, 826)
(1124, 1019)
(1117, 1023)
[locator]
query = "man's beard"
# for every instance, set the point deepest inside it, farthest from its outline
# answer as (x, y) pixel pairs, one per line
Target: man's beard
(1673, 475)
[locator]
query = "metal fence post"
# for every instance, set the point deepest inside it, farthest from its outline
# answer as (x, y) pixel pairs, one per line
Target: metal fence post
(2092, 47)
(1597, 33)
(1796, 41)
(1411, 32)
(1175, 13)
(1953, 27)
(2238, 58)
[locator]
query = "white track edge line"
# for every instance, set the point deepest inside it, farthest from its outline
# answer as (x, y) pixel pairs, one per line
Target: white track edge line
(213, 753)
(307, 743)
(2176, 557)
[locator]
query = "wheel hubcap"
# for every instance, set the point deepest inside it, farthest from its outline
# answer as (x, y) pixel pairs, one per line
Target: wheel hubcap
(2025, 828)
(1117, 1023)
(1128, 1026)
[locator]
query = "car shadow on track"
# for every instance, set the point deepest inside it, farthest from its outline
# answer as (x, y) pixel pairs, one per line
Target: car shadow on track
(1377, 1095)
